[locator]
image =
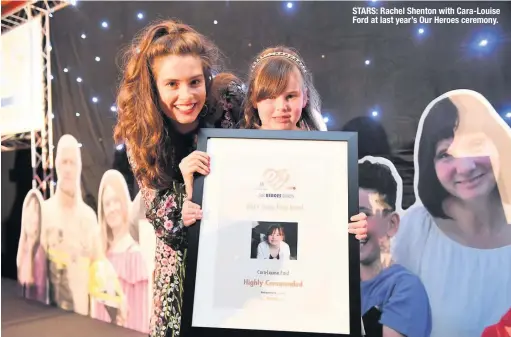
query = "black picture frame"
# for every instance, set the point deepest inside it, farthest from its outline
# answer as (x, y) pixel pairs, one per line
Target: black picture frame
(187, 329)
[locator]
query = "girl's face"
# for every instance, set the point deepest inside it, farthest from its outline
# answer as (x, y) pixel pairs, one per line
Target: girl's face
(284, 111)
(181, 88)
(275, 238)
(113, 208)
(464, 165)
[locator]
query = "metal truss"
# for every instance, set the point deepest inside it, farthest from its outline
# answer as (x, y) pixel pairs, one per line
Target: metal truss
(39, 141)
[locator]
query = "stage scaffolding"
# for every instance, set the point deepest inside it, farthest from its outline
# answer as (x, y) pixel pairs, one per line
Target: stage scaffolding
(15, 13)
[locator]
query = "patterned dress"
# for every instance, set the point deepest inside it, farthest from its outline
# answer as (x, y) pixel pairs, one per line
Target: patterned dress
(163, 211)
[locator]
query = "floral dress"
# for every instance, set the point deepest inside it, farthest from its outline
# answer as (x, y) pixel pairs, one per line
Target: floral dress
(163, 211)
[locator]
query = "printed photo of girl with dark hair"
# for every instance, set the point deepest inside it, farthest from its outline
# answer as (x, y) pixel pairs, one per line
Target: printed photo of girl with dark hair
(274, 241)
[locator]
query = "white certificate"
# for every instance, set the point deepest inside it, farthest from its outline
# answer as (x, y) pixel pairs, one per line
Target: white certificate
(273, 246)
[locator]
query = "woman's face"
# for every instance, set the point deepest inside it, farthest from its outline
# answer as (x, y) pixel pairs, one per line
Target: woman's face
(32, 219)
(113, 208)
(284, 111)
(181, 87)
(275, 238)
(464, 165)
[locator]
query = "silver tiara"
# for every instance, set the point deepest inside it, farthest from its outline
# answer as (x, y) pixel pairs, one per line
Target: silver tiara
(293, 58)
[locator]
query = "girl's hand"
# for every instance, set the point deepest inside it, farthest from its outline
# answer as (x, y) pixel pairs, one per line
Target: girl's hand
(358, 226)
(190, 213)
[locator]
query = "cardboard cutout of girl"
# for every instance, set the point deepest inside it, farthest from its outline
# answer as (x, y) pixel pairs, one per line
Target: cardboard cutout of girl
(32, 258)
(122, 291)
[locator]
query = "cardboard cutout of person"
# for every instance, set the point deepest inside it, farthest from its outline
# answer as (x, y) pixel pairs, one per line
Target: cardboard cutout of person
(122, 296)
(31, 259)
(457, 237)
(70, 232)
(389, 292)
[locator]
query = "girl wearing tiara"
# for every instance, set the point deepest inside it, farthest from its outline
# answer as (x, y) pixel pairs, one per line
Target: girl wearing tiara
(167, 92)
(280, 96)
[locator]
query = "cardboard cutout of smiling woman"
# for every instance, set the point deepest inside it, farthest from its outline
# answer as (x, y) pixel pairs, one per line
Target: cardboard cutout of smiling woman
(389, 291)
(457, 236)
(32, 258)
(121, 287)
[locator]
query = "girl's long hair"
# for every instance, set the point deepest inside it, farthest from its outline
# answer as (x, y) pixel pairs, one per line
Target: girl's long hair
(269, 78)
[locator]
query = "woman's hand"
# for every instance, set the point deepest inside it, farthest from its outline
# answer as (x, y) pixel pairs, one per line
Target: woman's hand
(358, 226)
(196, 161)
(190, 213)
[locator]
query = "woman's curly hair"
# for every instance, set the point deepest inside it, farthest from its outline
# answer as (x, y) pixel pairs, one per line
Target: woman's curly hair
(226, 101)
(141, 124)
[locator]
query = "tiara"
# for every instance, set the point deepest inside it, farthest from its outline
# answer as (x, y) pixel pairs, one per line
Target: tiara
(293, 58)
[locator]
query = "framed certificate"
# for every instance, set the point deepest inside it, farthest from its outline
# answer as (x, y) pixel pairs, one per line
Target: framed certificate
(272, 255)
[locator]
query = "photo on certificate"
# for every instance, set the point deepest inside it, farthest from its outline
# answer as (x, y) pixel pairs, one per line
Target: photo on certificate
(272, 255)
(274, 240)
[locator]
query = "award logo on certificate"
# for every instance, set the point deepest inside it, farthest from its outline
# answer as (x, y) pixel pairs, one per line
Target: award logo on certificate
(272, 255)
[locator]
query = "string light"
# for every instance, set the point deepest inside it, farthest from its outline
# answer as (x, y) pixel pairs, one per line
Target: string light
(480, 41)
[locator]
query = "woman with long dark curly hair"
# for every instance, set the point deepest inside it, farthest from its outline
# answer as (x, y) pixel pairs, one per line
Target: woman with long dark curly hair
(167, 93)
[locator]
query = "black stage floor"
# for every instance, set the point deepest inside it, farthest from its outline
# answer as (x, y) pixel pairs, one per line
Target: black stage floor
(23, 318)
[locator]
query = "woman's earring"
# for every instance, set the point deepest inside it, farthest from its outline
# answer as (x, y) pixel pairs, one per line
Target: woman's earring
(204, 111)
